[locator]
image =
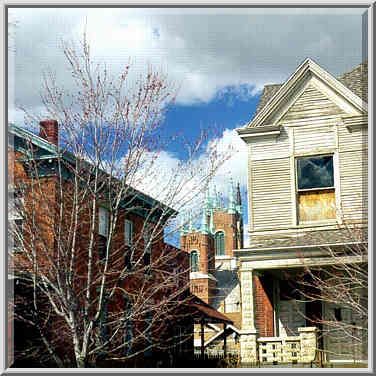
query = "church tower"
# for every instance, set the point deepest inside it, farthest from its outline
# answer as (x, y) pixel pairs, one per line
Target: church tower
(220, 232)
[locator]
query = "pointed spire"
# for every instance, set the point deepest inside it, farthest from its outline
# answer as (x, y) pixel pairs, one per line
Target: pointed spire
(207, 201)
(190, 224)
(239, 207)
(204, 223)
(215, 198)
(231, 209)
(211, 225)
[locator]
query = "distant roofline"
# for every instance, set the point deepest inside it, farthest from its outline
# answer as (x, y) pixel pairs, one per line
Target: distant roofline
(69, 157)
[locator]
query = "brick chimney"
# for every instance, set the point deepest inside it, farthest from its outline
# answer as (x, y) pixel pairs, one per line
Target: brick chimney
(49, 130)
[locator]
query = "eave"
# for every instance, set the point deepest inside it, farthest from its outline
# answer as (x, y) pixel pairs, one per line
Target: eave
(312, 250)
(355, 122)
(250, 133)
(53, 153)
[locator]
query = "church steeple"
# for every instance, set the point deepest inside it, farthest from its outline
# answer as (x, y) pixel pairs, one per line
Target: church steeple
(215, 199)
(204, 223)
(231, 208)
(239, 207)
(211, 225)
(207, 201)
(190, 224)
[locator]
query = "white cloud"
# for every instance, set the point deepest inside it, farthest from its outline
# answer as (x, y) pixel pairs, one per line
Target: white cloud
(207, 51)
(182, 184)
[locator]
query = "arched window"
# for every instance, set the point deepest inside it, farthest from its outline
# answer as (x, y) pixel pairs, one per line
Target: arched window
(194, 261)
(219, 243)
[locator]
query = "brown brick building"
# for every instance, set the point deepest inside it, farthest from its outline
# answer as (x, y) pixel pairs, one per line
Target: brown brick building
(131, 252)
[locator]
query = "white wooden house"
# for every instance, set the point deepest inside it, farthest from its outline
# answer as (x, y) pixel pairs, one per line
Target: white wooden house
(307, 181)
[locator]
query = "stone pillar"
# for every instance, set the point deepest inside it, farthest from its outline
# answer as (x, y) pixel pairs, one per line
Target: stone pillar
(308, 344)
(248, 335)
(248, 346)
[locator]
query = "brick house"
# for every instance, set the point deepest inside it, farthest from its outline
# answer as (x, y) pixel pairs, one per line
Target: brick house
(44, 186)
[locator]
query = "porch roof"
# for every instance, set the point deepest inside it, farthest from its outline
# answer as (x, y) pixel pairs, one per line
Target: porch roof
(203, 312)
(306, 238)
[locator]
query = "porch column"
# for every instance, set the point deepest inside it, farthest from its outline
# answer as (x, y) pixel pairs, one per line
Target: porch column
(248, 334)
(202, 339)
(224, 340)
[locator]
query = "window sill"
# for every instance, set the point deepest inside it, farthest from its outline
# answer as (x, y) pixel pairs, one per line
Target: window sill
(222, 257)
(317, 223)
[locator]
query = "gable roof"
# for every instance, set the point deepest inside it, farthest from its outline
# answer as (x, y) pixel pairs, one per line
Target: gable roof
(203, 312)
(355, 80)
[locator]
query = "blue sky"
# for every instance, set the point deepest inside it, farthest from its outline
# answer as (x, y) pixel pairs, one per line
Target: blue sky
(220, 58)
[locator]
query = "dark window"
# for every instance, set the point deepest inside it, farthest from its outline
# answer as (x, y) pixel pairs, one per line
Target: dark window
(315, 172)
(102, 246)
(128, 258)
(103, 227)
(338, 314)
(128, 232)
(315, 188)
(219, 243)
(194, 261)
(148, 249)
(18, 235)
(288, 290)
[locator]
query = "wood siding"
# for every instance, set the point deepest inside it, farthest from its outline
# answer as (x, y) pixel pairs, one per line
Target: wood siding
(313, 139)
(271, 206)
(354, 184)
(312, 103)
(266, 148)
(313, 125)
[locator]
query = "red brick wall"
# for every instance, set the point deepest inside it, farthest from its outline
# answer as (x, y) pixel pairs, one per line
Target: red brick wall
(264, 315)
(204, 288)
(203, 244)
(227, 223)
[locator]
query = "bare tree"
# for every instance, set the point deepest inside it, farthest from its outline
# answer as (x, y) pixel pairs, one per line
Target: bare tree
(87, 240)
(341, 285)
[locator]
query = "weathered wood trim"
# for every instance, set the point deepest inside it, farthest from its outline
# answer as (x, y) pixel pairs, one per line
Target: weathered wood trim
(337, 178)
(294, 218)
(247, 133)
(297, 262)
(353, 122)
(250, 192)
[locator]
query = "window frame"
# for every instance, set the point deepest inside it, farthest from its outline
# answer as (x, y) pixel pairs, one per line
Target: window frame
(17, 203)
(103, 235)
(128, 237)
(194, 251)
(215, 243)
(335, 188)
(147, 257)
